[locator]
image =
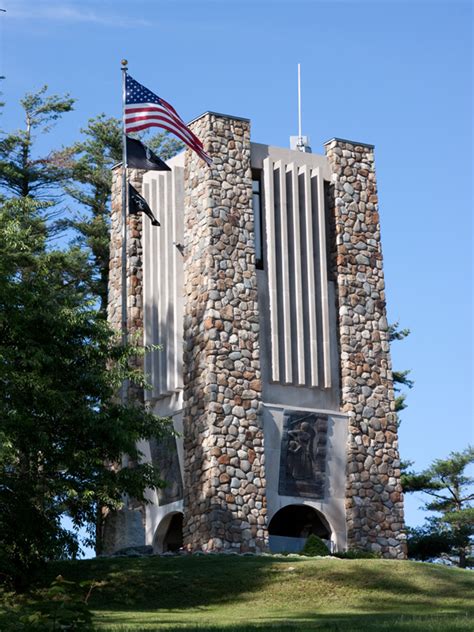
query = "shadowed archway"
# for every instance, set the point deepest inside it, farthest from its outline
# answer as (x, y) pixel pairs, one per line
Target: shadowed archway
(169, 534)
(291, 525)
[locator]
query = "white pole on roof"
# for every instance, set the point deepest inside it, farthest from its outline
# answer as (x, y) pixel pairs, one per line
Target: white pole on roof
(300, 143)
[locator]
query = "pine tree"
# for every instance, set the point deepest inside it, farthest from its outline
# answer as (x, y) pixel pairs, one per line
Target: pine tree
(60, 424)
(22, 173)
(451, 494)
(89, 179)
(400, 378)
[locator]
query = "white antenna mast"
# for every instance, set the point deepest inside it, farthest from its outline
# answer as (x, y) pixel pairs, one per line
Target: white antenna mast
(300, 143)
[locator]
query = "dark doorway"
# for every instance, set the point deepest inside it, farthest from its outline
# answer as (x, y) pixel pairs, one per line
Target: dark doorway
(299, 521)
(173, 539)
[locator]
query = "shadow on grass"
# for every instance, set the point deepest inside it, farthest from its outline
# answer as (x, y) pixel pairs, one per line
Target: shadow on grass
(276, 593)
(171, 583)
(369, 622)
(177, 584)
(404, 585)
(199, 582)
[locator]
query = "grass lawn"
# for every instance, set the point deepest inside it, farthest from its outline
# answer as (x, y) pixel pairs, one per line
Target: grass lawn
(238, 594)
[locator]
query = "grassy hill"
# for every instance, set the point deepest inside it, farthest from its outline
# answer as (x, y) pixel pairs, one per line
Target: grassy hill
(239, 594)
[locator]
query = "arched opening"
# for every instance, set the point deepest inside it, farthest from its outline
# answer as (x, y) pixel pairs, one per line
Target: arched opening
(169, 534)
(291, 525)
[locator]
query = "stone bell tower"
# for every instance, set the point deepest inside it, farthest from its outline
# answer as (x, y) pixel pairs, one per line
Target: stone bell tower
(264, 286)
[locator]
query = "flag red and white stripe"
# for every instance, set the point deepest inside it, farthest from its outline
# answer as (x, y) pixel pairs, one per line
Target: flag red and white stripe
(144, 109)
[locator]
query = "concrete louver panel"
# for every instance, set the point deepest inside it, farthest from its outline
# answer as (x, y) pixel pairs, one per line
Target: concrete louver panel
(296, 261)
(310, 277)
(163, 281)
(268, 183)
(284, 273)
(323, 276)
(299, 322)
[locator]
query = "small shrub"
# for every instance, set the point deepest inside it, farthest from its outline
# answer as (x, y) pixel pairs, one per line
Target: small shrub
(357, 554)
(63, 606)
(314, 546)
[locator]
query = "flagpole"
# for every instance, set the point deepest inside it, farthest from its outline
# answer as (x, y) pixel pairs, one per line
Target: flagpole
(124, 224)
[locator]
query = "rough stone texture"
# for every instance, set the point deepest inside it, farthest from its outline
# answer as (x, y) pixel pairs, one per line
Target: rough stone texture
(224, 472)
(134, 263)
(127, 526)
(374, 501)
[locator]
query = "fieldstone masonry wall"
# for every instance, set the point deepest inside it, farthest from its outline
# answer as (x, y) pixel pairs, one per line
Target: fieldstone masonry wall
(374, 502)
(224, 475)
(134, 263)
(126, 527)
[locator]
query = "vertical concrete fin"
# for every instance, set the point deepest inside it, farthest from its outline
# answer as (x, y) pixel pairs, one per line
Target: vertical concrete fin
(178, 240)
(161, 287)
(326, 351)
(163, 280)
(147, 295)
(272, 269)
(312, 299)
(168, 305)
(285, 274)
(299, 324)
(155, 284)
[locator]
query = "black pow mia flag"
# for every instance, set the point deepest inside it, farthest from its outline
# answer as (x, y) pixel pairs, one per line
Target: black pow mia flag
(138, 204)
(139, 156)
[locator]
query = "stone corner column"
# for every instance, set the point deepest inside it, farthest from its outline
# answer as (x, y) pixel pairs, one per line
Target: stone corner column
(374, 501)
(134, 258)
(224, 476)
(126, 527)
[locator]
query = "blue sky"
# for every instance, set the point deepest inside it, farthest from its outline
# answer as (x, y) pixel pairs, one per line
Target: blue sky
(395, 74)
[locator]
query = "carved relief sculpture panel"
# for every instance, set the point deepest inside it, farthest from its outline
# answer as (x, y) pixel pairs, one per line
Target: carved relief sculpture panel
(303, 455)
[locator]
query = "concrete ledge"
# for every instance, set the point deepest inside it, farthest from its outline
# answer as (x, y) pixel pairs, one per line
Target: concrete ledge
(352, 142)
(227, 116)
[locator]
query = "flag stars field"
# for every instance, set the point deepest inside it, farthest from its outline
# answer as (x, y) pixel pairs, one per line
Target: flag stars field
(144, 109)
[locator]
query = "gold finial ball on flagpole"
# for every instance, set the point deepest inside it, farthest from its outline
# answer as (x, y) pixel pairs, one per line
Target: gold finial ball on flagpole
(124, 62)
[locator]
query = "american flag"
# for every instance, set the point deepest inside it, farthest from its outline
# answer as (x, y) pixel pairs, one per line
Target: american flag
(144, 109)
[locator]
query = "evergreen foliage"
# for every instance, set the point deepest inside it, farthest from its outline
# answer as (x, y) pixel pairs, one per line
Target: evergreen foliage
(62, 431)
(22, 174)
(400, 378)
(430, 541)
(450, 493)
(88, 165)
(60, 426)
(314, 546)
